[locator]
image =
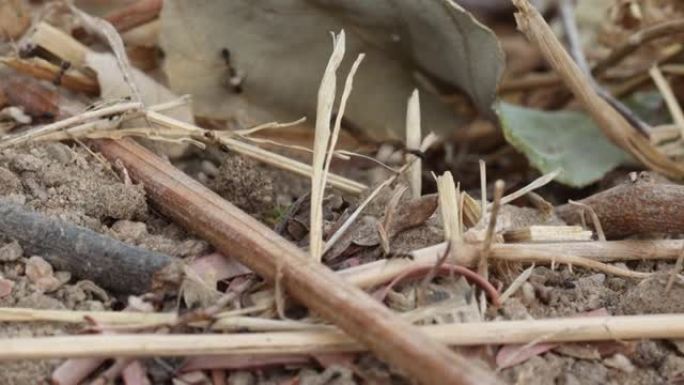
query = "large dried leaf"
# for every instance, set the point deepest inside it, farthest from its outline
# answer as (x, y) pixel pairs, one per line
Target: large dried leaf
(15, 18)
(567, 140)
(281, 47)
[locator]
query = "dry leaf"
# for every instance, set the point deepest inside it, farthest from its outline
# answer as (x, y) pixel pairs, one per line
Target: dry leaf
(114, 87)
(14, 19)
(6, 287)
(135, 374)
(215, 267)
(280, 49)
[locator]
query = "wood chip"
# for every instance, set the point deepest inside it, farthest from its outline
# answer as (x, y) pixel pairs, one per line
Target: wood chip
(548, 234)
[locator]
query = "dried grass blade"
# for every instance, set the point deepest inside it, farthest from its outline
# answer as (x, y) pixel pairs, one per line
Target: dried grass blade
(413, 137)
(326, 99)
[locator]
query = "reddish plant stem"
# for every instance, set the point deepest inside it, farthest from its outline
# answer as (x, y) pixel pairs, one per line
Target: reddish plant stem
(444, 270)
(233, 232)
(135, 14)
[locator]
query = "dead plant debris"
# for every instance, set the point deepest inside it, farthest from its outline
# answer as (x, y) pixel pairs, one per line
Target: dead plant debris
(391, 212)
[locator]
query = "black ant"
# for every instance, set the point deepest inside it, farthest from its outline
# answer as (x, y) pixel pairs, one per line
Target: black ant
(235, 78)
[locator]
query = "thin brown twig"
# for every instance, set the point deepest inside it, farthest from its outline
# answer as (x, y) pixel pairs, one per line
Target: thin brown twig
(569, 21)
(499, 186)
(638, 39)
(675, 271)
(594, 218)
(628, 46)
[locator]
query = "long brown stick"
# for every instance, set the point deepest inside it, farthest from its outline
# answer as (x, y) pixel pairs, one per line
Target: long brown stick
(325, 341)
(237, 234)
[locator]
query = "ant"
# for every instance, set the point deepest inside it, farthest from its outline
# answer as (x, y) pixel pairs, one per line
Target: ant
(235, 78)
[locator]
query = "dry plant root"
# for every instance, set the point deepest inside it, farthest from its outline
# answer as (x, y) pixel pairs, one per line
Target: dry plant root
(638, 207)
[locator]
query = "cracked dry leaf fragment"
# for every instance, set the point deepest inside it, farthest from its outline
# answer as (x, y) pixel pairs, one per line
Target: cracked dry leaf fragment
(280, 48)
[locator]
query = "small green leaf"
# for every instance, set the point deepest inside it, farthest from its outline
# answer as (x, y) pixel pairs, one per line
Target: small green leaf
(568, 140)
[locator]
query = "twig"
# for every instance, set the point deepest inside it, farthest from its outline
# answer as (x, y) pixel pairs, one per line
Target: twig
(611, 122)
(661, 326)
(66, 47)
(631, 44)
(491, 225)
(567, 11)
(134, 14)
(413, 137)
(675, 271)
(427, 142)
(594, 219)
(483, 263)
(516, 284)
(86, 254)
(535, 184)
(638, 39)
(42, 69)
(449, 208)
(446, 270)
(669, 97)
(634, 208)
(119, 108)
(254, 152)
(235, 233)
(468, 255)
(483, 188)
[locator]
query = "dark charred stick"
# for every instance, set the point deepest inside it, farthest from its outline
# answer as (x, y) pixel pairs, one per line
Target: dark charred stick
(86, 254)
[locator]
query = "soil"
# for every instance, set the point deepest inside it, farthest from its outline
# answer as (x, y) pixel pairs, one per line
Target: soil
(69, 182)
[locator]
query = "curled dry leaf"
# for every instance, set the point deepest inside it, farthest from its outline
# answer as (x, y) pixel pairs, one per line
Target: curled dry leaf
(280, 48)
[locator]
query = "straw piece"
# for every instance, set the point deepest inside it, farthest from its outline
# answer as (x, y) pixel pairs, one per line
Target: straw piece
(548, 234)
(661, 326)
(413, 137)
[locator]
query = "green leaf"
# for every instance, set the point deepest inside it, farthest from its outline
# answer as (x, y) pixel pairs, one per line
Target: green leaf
(567, 140)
